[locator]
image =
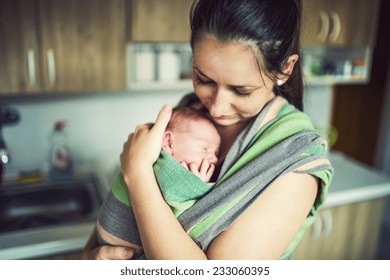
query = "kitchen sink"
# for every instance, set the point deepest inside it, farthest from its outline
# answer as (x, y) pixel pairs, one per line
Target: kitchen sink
(46, 215)
(47, 204)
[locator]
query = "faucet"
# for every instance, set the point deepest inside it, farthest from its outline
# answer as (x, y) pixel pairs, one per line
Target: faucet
(4, 152)
(8, 115)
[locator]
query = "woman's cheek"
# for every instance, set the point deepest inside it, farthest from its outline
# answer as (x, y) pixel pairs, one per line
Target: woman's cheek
(204, 96)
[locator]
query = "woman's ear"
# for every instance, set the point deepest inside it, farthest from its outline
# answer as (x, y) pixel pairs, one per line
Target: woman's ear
(167, 144)
(287, 69)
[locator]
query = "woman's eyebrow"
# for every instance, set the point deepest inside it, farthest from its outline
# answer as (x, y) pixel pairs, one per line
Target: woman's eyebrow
(200, 72)
(234, 86)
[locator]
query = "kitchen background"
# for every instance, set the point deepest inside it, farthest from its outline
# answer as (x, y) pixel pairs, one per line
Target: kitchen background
(106, 66)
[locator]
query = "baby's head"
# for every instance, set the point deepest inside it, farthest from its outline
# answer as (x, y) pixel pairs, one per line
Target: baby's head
(191, 137)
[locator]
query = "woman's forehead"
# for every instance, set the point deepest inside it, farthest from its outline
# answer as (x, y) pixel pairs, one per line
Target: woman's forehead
(231, 62)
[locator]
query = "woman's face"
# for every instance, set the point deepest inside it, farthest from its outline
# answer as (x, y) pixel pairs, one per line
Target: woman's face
(228, 81)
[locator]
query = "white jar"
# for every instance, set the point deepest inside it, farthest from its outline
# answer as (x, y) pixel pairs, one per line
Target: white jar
(145, 60)
(168, 64)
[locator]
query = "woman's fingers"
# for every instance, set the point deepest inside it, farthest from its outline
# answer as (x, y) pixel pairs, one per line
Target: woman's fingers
(113, 253)
(162, 120)
(144, 145)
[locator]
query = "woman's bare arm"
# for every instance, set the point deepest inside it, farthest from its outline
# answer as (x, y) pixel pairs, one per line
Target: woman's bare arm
(161, 234)
(263, 231)
(267, 227)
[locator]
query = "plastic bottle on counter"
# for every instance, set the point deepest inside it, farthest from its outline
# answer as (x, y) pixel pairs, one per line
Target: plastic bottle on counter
(61, 165)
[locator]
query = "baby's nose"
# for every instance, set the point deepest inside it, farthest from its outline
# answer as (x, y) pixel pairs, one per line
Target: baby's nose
(212, 158)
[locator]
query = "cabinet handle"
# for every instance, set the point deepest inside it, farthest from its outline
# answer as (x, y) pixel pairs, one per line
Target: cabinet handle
(334, 35)
(324, 27)
(51, 67)
(31, 67)
(328, 222)
(317, 227)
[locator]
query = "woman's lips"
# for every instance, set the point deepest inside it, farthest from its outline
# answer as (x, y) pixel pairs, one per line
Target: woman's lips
(223, 117)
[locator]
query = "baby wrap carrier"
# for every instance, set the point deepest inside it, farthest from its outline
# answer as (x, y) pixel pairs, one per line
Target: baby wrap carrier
(281, 139)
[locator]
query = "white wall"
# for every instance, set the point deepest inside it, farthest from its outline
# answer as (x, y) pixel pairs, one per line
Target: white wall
(317, 103)
(97, 126)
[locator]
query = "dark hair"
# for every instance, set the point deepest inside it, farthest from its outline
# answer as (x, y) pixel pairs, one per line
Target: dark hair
(272, 26)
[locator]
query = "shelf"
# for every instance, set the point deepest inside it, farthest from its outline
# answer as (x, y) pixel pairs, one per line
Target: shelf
(332, 80)
(147, 71)
(328, 66)
(159, 66)
(165, 85)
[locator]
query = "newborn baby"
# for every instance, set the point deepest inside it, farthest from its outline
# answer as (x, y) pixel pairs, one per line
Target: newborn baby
(191, 140)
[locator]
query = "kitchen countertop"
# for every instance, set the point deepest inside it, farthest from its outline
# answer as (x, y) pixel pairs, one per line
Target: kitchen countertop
(354, 182)
(41, 242)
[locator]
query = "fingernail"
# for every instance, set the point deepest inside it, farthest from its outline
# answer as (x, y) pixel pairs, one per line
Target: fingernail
(167, 108)
(128, 253)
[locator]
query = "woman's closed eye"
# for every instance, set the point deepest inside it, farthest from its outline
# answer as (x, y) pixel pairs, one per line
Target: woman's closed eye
(241, 93)
(202, 82)
(235, 90)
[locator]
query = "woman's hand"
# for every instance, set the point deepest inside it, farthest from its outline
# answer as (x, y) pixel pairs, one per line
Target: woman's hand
(143, 146)
(108, 253)
(93, 251)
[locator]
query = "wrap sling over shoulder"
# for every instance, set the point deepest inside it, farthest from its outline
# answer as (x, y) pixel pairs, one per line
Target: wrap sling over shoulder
(281, 139)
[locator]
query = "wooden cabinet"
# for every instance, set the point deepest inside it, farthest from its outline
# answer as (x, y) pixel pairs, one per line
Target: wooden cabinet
(18, 47)
(62, 45)
(83, 44)
(349, 23)
(159, 21)
(349, 232)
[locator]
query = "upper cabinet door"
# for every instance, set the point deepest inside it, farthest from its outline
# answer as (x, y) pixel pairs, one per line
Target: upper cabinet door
(349, 23)
(62, 45)
(19, 57)
(159, 21)
(82, 44)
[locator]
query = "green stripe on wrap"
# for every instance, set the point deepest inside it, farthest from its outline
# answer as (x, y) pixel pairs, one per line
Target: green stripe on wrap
(180, 188)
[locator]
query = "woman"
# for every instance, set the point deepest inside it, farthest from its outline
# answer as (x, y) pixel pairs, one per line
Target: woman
(246, 71)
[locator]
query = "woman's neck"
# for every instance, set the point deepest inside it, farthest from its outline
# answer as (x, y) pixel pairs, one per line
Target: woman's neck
(228, 136)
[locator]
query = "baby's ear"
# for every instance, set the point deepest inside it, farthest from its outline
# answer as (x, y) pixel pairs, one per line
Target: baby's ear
(167, 144)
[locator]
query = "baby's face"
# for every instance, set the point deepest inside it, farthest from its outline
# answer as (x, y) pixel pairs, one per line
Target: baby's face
(198, 142)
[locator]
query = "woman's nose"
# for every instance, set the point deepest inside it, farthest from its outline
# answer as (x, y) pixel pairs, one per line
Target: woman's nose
(218, 103)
